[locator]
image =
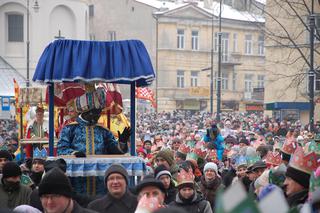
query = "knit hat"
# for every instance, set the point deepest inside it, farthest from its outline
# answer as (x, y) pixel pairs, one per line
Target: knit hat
(55, 182)
(212, 166)
(5, 154)
(166, 155)
(298, 176)
(181, 155)
(11, 169)
(245, 141)
(161, 170)
(149, 180)
(116, 168)
(59, 163)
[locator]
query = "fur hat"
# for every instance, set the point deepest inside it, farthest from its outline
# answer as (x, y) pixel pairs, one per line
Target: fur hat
(11, 169)
(166, 155)
(116, 168)
(55, 182)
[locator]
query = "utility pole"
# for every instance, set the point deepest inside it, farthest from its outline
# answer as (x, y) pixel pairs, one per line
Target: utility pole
(211, 74)
(28, 45)
(219, 69)
(311, 71)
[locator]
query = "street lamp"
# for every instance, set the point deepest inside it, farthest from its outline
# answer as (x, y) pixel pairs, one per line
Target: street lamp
(36, 9)
(311, 70)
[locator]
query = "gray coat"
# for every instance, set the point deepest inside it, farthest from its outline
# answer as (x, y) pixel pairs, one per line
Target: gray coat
(109, 204)
(12, 199)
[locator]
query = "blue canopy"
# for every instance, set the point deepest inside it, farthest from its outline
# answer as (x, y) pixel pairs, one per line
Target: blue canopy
(115, 61)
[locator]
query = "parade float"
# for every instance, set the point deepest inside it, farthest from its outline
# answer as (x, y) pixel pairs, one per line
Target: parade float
(83, 66)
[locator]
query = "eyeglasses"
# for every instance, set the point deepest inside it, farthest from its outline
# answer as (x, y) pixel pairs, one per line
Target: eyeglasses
(50, 196)
(115, 178)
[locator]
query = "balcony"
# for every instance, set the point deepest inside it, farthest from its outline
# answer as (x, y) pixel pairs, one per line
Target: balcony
(231, 59)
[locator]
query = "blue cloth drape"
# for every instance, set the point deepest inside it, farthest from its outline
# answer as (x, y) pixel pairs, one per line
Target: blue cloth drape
(116, 61)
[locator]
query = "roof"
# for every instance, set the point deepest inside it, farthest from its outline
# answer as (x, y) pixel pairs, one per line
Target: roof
(227, 11)
(8, 73)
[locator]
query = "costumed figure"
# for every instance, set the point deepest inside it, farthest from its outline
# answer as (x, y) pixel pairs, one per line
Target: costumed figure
(38, 128)
(213, 137)
(86, 137)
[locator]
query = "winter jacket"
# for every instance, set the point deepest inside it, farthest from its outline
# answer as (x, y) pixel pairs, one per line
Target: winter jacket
(109, 204)
(170, 194)
(297, 198)
(15, 198)
(78, 209)
(210, 189)
(197, 205)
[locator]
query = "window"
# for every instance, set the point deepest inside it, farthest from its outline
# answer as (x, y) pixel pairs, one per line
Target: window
(248, 44)
(224, 81)
(180, 79)
(194, 78)
(180, 39)
(260, 81)
(216, 44)
(248, 83)
(15, 28)
(224, 45)
(92, 36)
(234, 81)
(91, 10)
(112, 35)
(261, 45)
(235, 42)
(195, 40)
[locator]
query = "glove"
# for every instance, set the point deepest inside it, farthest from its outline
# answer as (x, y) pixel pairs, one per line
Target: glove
(125, 135)
(80, 154)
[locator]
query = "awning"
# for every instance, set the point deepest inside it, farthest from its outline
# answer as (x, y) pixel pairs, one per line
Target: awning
(116, 62)
(288, 105)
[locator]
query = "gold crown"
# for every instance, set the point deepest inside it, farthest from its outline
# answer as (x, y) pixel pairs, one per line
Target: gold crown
(273, 158)
(289, 146)
(185, 177)
(305, 162)
(183, 148)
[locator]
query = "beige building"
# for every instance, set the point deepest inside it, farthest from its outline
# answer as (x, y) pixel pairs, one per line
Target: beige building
(182, 31)
(185, 40)
(286, 94)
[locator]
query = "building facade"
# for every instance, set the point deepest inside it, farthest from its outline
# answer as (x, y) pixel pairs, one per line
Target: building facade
(287, 57)
(186, 36)
(178, 36)
(51, 20)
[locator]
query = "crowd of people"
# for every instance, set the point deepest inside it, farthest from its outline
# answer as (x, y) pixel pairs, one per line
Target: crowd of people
(190, 159)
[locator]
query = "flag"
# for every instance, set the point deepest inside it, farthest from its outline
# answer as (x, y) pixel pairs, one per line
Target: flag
(146, 94)
(16, 91)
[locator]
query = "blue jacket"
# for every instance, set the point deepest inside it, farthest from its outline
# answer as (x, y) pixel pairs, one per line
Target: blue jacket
(90, 139)
(218, 144)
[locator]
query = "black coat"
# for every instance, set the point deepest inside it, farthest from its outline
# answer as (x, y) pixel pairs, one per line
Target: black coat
(78, 209)
(297, 198)
(170, 194)
(109, 204)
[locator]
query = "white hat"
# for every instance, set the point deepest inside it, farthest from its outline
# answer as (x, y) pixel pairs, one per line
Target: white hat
(212, 166)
